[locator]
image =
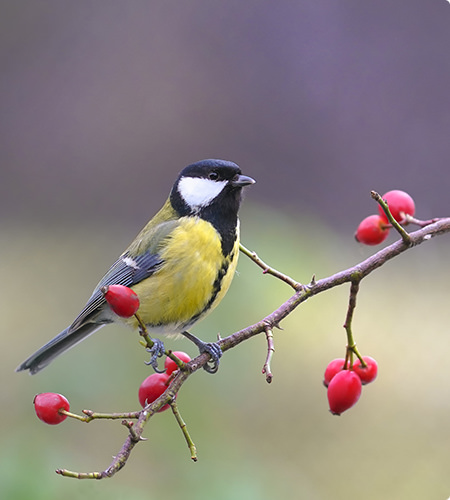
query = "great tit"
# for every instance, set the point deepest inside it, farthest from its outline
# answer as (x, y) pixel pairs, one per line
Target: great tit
(180, 265)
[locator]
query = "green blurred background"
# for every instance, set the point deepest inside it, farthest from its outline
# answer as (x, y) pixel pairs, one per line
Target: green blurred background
(101, 104)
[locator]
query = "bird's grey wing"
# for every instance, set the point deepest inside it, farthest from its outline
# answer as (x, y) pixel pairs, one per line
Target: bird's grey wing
(125, 271)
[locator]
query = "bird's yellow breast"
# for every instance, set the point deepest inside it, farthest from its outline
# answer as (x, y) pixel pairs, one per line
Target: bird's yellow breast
(193, 279)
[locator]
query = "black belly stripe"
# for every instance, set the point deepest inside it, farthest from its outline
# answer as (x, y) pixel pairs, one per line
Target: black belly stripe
(217, 285)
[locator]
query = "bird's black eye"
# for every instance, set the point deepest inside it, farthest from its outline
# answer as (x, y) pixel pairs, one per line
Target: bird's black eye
(214, 176)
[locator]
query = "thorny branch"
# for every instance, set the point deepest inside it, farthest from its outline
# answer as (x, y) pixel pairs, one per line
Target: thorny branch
(353, 275)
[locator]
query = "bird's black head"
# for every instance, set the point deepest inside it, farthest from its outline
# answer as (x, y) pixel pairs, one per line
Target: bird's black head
(209, 183)
(211, 189)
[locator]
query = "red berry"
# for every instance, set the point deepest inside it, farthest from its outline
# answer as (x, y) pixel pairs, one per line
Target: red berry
(47, 406)
(368, 374)
(171, 366)
(372, 230)
(400, 203)
(121, 299)
(332, 369)
(344, 391)
(152, 387)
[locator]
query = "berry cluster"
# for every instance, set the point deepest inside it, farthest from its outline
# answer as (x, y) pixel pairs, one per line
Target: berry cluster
(374, 229)
(344, 385)
(156, 383)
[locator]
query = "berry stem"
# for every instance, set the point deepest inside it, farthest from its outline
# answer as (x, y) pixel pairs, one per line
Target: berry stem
(404, 234)
(81, 418)
(182, 365)
(421, 223)
(351, 345)
(148, 343)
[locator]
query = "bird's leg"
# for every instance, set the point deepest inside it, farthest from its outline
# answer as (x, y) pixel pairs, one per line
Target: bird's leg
(154, 346)
(212, 348)
(157, 350)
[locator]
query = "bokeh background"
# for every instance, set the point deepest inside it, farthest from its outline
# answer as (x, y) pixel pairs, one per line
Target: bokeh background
(101, 104)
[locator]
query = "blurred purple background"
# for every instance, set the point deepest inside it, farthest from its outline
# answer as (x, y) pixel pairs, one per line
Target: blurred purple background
(102, 103)
(319, 101)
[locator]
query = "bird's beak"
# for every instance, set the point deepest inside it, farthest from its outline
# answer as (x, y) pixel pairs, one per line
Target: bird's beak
(242, 180)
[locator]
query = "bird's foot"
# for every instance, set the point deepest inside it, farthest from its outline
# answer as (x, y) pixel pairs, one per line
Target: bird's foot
(156, 351)
(212, 348)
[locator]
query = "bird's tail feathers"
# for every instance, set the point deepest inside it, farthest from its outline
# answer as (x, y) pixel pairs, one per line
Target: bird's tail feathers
(61, 343)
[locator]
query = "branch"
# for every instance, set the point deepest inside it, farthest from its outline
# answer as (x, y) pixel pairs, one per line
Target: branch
(352, 275)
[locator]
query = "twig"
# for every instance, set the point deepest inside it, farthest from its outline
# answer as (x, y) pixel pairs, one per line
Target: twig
(183, 427)
(90, 415)
(404, 235)
(129, 425)
(351, 345)
(79, 475)
(270, 350)
(409, 219)
(270, 270)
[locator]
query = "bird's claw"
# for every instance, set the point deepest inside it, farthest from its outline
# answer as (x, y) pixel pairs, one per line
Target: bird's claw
(156, 351)
(214, 350)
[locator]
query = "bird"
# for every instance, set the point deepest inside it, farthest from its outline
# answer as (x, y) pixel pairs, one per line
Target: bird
(180, 265)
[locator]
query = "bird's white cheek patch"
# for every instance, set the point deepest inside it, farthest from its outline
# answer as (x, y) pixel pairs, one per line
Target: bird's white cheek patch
(198, 192)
